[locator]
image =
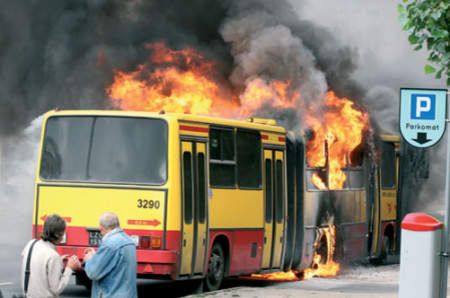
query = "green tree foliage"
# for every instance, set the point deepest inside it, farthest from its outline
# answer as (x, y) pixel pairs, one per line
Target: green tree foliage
(428, 24)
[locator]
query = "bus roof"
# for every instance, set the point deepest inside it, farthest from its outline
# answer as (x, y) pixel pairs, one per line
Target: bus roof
(171, 116)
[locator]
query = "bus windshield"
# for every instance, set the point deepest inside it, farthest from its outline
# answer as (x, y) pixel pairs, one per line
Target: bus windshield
(105, 150)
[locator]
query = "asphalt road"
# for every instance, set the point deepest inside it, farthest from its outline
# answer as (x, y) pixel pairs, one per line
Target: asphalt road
(370, 282)
(353, 282)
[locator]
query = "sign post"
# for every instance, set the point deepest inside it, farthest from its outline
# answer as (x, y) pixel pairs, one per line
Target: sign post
(422, 124)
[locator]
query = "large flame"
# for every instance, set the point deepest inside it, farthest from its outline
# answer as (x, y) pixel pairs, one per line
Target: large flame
(327, 267)
(184, 81)
(178, 81)
(322, 266)
(335, 136)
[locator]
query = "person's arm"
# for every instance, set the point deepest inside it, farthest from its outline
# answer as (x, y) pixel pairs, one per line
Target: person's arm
(58, 276)
(101, 263)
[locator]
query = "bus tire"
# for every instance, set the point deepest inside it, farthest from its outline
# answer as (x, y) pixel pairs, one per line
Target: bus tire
(216, 268)
(384, 250)
(385, 245)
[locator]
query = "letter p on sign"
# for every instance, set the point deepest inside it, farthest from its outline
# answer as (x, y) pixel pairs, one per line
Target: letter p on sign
(423, 106)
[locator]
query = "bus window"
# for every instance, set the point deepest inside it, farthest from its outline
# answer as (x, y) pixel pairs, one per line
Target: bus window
(66, 148)
(310, 172)
(187, 187)
(268, 169)
(248, 159)
(388, 171)
(222, 160)
(105, 149)
(202, 187)
(356, 157)
(279, 191)
(355, 178)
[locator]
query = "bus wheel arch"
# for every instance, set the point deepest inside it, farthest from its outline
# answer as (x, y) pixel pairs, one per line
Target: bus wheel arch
(218, 263)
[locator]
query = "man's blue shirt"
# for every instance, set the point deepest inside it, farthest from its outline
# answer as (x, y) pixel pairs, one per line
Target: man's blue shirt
(113, 268)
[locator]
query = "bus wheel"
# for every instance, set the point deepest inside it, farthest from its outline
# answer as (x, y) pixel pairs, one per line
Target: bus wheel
(216, 268)
(384, 250)
(385, 246)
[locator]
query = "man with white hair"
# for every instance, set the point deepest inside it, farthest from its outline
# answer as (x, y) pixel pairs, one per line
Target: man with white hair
(112, 268)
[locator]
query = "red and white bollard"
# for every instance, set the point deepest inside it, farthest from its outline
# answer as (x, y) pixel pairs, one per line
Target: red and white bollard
(419, 257)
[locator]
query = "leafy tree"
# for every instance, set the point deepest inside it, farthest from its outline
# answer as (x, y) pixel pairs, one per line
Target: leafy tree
(428, 24)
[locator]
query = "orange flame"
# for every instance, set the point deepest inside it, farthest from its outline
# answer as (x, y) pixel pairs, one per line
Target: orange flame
(320, 268)
(184, 81)
(176, 81)
(259, 93)
(277, 276)
(335, 138)
(327, 267)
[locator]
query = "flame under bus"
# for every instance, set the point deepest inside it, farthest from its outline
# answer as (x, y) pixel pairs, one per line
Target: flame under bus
(206, 197)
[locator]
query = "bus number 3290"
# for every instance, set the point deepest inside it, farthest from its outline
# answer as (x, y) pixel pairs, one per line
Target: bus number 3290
(148, 204)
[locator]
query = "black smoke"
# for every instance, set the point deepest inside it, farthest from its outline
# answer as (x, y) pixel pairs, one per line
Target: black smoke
(62, 54)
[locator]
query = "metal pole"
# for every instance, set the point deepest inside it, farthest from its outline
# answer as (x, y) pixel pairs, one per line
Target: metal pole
(444, 252)
(1, 162)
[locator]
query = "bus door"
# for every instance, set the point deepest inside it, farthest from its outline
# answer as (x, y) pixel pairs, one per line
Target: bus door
(385, 205)
(274, 208)
(194, 202)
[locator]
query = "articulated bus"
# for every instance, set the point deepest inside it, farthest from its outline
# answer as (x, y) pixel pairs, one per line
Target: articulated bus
(207, 198)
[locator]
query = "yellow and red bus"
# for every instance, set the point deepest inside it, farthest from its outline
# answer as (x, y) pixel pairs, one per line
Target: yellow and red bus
(207, 198)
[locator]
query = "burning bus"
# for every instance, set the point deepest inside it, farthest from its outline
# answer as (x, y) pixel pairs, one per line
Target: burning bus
(207, 198)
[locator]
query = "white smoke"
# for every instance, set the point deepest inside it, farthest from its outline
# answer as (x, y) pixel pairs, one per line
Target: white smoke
(18, 163)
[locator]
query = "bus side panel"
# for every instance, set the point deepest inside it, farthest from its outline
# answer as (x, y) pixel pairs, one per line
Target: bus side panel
(244, 248)
(229, 209)
(229, 214)
(353, 240)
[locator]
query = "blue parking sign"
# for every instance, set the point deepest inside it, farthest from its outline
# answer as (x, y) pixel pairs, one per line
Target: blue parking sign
(423, 116)
(423, 106)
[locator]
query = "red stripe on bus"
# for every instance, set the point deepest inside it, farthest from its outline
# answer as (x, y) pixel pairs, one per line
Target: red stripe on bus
(194, 128)
(281, 139)
(264, 137)
(241, 244)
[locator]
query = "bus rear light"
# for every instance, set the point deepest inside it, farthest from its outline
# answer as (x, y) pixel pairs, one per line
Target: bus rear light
(155, 242)
(135, 239)
(144, 242)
